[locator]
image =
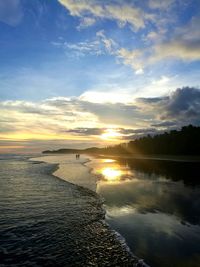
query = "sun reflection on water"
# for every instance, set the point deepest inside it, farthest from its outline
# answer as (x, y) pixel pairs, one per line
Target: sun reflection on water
(109, 171)
(107, 160)
(111, 174)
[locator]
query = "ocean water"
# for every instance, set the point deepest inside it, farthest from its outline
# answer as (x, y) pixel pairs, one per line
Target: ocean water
(155, 206)
(46, 221)
(51, 215)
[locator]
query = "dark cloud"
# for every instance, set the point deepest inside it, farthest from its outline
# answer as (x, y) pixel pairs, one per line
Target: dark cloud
(145, 131)
(164, 124)
(180, 108)
(184, 103)
(86, 131)
(152, 100)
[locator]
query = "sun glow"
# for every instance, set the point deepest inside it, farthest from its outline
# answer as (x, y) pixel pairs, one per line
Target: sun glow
(111, 134)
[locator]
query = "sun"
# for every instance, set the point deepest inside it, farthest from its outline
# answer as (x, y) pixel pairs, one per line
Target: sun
(111, 134)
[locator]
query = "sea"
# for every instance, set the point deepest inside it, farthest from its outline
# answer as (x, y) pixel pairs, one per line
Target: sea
(48, 221)
(57, 210)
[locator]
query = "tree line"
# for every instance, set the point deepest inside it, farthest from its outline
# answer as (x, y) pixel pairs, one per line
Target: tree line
(175, 142)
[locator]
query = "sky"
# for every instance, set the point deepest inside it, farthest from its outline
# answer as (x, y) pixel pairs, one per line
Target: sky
(80, 73)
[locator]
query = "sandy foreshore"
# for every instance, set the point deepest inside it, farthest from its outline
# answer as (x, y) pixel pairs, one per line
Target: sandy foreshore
(71, 170)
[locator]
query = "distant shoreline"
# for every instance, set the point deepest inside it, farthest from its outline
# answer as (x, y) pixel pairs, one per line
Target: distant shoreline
(181, 158)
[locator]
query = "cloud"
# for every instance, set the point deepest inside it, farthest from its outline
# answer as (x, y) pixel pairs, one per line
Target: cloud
(28, 107)
(79, 8)
(52, 118)
(86, 22)
(157, 87)
(86, 131)
(133, 133)
(177, 49)
(123, 133)
(63, 118)
(133, 58)
(11, 12)
(160, 4)
(80, 49)
(99, 45)
(139, 131)
(108, 43)
(122, 13)
(85, 48)
(184, 104)
(113, 113)
(164, 124)
(184, 44)
(161, 81)
(139, 71)
(181, 107)
(127, 14)
(107, 96)
(151, 100)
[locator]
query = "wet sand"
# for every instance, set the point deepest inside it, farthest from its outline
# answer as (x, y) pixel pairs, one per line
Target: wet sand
(71, 169)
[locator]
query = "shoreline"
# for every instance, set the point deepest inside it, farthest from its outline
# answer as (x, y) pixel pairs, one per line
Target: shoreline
(160, 157)
(61, 171)
(176, 158)
(118, 236)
